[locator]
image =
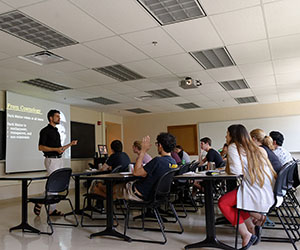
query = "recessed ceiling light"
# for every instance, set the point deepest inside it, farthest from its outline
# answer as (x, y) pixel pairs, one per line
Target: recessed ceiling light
(44, 84)
(189, 105)
(173, 11)
(42, 58)
(138, 111)
(26, 28)
(249, 99)
(102, 100)
(234, 84)
(162, 93)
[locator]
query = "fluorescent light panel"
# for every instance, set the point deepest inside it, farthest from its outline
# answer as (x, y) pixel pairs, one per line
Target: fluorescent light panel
(138, 111)
(249, 99)
(213, 58)
(44, 84)
(26, 28)
(173, 11)
(162, 93)
(188, 105)
(234, 85)
(102, 100)
(119, 72)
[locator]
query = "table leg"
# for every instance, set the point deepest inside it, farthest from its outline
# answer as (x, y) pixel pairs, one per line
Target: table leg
(211, 239)
(24, 224)
(110, 230)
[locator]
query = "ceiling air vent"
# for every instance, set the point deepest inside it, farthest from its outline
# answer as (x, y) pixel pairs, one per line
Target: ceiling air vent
(102, 100)
(188, 105)
(42, 58)
(119, 72)
(249, 99)
(44, 84)
(173, 11)
(213, 58)
(138, 111)
(25, 27)
(162, 93)
(234, 85)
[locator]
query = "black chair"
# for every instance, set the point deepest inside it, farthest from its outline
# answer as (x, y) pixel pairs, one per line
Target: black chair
(284, 208)
(96, 199)
(58, 182)
(160, 197)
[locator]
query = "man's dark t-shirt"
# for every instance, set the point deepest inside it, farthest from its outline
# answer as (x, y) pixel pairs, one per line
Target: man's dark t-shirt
(155, 169)
(117, 159)
(213, 156)
(273, 159)
(49, 136)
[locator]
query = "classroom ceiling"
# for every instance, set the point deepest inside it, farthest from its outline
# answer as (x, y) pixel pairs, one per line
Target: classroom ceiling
(261, 38)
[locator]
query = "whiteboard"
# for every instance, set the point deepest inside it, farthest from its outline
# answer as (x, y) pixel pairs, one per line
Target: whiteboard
(289, 126)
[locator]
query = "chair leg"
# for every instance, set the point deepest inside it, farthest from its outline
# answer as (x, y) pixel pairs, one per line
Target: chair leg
(237, 228)
(177, 218)
(47, 208)
(160, 223)
(68, 224)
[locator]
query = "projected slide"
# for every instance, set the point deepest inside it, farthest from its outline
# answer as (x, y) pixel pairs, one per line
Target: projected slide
(25, 117)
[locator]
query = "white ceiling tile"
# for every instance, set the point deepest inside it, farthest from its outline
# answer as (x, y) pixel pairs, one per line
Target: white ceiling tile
(256, 69)
(73, 93)
(267, 98)
(218, 96)
(240, 93)
(120, 98)
(165, 80)
(288, 87)
(92, 77)
(265, 90)
(147, 68)
(183, 92)
(18, 4)
(289, 96)
(14, 46)
(282, 17)
(227, 102)
(176, 100)
(286, 78)
(286, 65)
(143, 40)
(4, 8)
(63, 16)
(240, 26)
(199, 98)
(120, 16)
(119, 87)
(211, 88)
(284, 47)
(3, 55)
(260, 81)
(97, 90)
(65, 66)
(219, 6)
(224, 74)
(202, 76)
(117, 49)
(179, 63)
(196, 34)
(252, 52)
(81, 54)
(210, 104)
(143, 85)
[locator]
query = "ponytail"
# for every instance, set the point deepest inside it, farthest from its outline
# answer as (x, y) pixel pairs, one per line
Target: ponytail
(268, 142)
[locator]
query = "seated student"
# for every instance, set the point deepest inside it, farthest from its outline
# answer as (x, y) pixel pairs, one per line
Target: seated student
(142, 189)
(212, 155)
(137, 147)
(224, 151)
(117, 158)
(283, 155)
(266, 142)
(175, 156)
(255, 194)
(185, 158)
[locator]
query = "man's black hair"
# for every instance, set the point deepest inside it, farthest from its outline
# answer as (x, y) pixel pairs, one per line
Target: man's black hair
(278, 137)
(206, 140)
(51, 113)
(167, 141)
(116, 146)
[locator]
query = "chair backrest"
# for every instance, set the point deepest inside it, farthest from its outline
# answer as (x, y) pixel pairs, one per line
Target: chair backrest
(284, 181)
(163, 186)
(58, 181)
(117, 169)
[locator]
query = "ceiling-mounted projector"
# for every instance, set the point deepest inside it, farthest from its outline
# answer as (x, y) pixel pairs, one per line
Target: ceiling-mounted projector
(189, 83)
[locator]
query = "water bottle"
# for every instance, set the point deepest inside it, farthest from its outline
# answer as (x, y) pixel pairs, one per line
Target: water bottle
(183, 162)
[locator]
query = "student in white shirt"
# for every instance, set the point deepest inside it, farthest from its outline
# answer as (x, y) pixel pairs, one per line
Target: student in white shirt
(283, 155)
(255, 194)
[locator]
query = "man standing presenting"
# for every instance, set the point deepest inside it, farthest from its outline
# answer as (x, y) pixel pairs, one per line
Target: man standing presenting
(50, 144)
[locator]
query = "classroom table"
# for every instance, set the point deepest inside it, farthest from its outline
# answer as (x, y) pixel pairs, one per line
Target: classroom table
(208, 181)
(109, 180)
(24, 189)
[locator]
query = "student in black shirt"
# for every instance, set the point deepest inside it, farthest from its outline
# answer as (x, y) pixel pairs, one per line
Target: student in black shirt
(212, 155)
(141, 189)
(117, 158)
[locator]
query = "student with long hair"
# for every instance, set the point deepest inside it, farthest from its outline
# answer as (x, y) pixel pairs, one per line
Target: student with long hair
(266, 142)
(254, 196)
